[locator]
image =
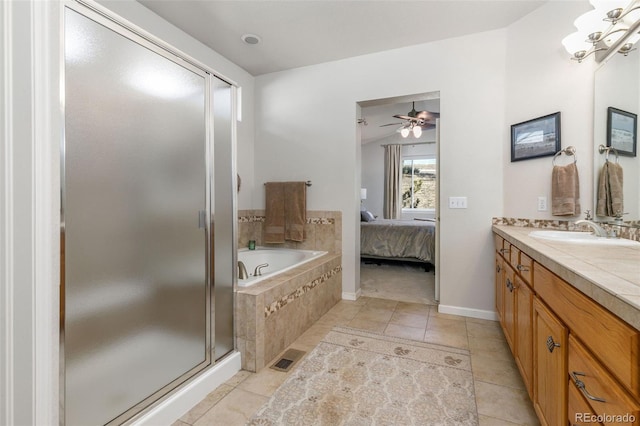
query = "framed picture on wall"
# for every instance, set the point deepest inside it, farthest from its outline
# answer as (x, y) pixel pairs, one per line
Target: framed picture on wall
(622, 131)
(539, 137)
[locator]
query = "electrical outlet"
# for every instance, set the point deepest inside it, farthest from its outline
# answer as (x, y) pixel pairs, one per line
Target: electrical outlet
(457, 202)
(542, 204)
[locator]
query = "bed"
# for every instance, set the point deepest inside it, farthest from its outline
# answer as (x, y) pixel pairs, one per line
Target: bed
(406, 240)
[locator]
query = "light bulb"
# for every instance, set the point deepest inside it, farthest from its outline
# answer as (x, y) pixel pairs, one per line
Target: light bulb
(575, 42)
(591, 23)
(417, 131)
(404, 132)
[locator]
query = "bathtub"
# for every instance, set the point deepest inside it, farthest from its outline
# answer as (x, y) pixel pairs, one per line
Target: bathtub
(278, 259)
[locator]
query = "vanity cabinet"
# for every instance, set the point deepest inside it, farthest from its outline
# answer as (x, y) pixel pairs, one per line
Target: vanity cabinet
(579, 362)
(514, 300)
(550, 360)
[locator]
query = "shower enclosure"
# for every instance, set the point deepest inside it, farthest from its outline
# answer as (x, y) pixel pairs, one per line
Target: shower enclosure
(147, 158)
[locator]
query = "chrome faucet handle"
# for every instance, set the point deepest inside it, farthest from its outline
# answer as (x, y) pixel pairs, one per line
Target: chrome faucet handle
(587, 215)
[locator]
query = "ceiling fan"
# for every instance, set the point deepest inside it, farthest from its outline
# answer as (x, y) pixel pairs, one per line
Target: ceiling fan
(415, 121)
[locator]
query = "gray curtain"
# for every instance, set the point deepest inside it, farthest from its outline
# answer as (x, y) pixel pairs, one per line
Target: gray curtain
(392, 180)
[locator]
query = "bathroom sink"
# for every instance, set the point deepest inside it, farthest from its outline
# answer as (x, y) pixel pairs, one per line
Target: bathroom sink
(581, 238)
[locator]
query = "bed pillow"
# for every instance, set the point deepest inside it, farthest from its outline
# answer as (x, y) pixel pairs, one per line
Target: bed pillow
(367, 216)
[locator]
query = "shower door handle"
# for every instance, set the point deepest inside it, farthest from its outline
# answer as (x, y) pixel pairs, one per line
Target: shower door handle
(202, 219)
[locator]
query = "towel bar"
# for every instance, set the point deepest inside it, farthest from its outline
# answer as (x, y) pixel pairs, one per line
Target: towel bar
(308, 183)
(602, 149)
(570, 150)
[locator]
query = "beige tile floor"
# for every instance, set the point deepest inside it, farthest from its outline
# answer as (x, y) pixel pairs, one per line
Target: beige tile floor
(500, 394)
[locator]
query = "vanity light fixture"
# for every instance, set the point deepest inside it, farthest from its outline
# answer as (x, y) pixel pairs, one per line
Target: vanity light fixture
(611, 26)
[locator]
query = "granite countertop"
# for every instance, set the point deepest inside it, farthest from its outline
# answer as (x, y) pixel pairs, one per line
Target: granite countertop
(608, 274)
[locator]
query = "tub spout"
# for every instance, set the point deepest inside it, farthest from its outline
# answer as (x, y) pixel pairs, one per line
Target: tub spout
(258, 270)
(242, 271)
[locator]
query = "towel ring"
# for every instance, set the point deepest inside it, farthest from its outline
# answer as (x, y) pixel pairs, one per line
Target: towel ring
(570, 150)
(602, 149)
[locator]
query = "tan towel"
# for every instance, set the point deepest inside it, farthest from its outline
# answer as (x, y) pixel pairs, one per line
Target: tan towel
(610, 193)
(295, 210)
(274, 213)
(285, 212)
(565, 190)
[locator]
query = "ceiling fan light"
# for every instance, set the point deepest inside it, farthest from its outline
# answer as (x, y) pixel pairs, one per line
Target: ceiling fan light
(417, 131)
(404, 132)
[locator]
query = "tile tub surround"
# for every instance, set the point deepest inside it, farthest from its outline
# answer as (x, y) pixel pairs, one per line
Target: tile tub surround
(628, 232)
(610, 275)
(322, 230)
(275, 312)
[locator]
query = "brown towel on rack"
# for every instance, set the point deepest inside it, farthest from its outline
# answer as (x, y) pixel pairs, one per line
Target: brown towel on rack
(285, 212)
(274, 212)
(295, 210)
(610, 194)
(565, 190)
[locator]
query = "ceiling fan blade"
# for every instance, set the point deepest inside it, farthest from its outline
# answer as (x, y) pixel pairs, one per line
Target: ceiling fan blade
(427, 115)
(405, 117)
(391, 124)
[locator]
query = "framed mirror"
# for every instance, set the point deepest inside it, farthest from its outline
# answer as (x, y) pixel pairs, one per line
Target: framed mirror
(616, 105)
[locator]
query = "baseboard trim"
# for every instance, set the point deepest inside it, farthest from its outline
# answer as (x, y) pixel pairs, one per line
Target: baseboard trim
(468, 312)
(351, 296)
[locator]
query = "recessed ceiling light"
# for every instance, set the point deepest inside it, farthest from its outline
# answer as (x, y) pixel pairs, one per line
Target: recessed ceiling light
(251, 39)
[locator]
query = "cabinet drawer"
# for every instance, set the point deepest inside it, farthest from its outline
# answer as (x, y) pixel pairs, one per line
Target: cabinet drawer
(498, 241)
(579, 412)
(525, 267)
(615, 343)
(514, 256)
(601, 391)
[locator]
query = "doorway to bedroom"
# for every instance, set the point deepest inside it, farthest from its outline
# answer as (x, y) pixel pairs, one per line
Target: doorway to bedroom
(399, 198)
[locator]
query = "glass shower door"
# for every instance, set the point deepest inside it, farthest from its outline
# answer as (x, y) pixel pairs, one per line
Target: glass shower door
(136, 306)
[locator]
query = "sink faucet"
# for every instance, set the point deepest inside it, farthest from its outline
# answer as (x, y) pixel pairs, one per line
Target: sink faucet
(258, 270)
(242, 271)
(597, 229)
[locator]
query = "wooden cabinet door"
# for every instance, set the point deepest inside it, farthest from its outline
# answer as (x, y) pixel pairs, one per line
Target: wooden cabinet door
(509, 306)
(499, 286)
(550, 366)
(524, 332)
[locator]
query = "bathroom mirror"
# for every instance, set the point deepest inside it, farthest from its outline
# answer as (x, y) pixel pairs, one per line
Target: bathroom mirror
(617, 85)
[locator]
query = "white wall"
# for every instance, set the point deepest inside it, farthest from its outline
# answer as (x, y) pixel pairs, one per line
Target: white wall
(306, 129)
(29, 193)
(541, 79)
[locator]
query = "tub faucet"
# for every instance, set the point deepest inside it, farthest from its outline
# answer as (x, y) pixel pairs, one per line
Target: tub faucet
(242, 271)
(597, 229)
(258, 270)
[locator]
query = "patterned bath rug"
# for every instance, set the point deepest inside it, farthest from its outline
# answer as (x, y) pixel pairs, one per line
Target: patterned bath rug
(355, 377)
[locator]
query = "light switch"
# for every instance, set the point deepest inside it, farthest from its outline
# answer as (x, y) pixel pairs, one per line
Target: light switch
(457, 202)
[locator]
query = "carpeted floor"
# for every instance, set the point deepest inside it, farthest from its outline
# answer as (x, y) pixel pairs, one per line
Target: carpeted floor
(404, 282)
(354, 377)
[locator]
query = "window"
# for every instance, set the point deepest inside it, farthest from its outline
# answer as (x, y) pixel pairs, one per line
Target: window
(418, 183)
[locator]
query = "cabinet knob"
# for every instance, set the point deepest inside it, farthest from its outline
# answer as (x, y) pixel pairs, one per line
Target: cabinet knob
(504, 250)
(580, 385)
(509, 285)
(522, 268)
(498, 269)
(551, 344)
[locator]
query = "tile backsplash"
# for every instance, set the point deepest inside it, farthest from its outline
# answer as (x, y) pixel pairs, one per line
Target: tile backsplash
(322, 230)
(630, 231)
